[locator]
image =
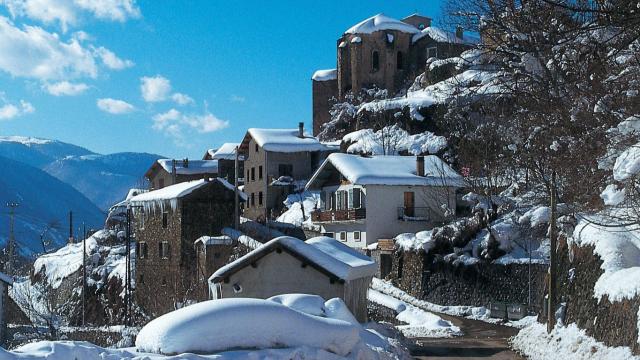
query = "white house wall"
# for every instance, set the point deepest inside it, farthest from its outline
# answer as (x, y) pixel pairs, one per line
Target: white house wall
(349, 228)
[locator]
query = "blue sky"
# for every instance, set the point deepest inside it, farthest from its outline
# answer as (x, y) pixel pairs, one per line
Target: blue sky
(73, 70)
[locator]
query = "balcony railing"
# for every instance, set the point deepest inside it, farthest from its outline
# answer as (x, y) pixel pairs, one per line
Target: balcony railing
(338, 215)
(413, 213)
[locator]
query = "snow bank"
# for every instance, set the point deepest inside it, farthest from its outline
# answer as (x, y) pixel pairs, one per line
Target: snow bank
(325, 75)
(392, 140)
(564, 343)
(381, 22)
(308, 304)
(243, 323)
(419, 322)
(619, 249)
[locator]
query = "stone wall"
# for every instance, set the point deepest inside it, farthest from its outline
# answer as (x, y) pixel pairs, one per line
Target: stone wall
(433, 279)
(613, 323)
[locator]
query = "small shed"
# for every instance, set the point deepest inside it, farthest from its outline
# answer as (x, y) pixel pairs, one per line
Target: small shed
(5, 281)
(320, 266)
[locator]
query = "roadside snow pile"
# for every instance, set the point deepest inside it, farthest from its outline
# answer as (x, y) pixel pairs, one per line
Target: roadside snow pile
(293, 215)
(392, 140)
(619, 249)
(568, 342)
(419, 322)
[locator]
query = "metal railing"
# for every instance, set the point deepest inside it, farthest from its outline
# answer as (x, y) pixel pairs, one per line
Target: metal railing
(413, 213)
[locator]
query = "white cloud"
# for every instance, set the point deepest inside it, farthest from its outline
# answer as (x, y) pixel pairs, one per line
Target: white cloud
(114, 106)
(237, 98)
(65, 88)
(155, 89)
(158, 88)
(68, 12)
(10, 111)
(35, 53)
(182, 99)
(111, 60)
(175, 124)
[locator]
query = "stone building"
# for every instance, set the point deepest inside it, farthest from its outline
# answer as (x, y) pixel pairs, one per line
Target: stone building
(167, 224)
(5, 282)
(166, 172)
(226, 158)
(277, 163)
(285, 265)
(385, 53)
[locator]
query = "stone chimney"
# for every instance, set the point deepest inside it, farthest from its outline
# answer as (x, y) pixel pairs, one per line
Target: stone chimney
(459, 32)
(300, 129)
(420, 165)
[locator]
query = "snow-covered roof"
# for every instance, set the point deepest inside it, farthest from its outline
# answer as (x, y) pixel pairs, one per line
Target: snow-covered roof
(284, 140)
(324, 253)
(226, 152)
(444, 36)
(214, 240)
(387, 170)
(381, 22)
(325, 75)
(6, 278)
(193, 167)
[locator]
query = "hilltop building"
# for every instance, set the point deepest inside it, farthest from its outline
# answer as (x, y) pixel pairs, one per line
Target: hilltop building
(382, 52)
(166, 172)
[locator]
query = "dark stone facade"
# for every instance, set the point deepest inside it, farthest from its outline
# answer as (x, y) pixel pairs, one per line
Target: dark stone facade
(164, 284)
(613, 323)
(431, 278)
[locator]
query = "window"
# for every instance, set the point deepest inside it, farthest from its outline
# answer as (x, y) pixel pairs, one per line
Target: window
(328, 234)
(399, 64)
(357, 198)
(248, 175)
(253, 174)
(160, 183)
(432, 52)
(339, 200)
(165, 219)
(343, 236)
(285, 170)
(409, 203)
(164, 250)
(375, 61)
(260, 198)
(400, 266)
(260, 172)
(141, 250)
(257, 147)
(323, 200)
(421, 26)
(141, 281)
(253, 199)
(350, 200)
(356, 236)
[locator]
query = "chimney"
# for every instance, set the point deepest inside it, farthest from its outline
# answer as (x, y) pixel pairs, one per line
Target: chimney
(420, 165)
(300, 129)
(459, 32)
(185, 163)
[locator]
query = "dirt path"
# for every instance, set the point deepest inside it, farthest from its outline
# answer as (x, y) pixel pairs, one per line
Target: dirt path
(481, 340)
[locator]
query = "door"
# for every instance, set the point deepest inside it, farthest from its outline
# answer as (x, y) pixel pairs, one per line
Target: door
(409, 203)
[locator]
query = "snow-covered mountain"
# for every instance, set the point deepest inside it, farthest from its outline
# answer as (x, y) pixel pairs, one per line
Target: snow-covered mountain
(103, 179)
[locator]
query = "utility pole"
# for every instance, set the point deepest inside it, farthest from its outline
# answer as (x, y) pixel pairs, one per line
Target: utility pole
(552, 259)
(236, 211)
(71, 227)
(84, 273)
(12, 239)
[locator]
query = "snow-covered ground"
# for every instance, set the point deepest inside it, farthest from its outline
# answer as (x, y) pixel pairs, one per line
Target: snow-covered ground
(293, 326)
(293, 202)
(392, 140)
(568, 342)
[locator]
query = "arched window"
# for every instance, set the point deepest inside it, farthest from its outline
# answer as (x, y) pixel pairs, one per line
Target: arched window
(399, 63)
(375, 61)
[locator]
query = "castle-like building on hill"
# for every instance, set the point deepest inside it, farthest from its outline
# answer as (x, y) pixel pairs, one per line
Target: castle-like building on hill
(382, 52)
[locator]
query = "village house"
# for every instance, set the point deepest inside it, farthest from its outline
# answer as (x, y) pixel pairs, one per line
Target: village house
(320, 266)
(5, 282)
(226, 157)
(277, 163)
(366, 199)
(382, 52)
(166, 172)
(169, 224)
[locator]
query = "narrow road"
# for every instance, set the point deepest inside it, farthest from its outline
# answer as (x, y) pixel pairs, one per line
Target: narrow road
(481, 340)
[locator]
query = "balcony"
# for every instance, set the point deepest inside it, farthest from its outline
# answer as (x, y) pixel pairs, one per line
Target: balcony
(413, 213)
(338, 215)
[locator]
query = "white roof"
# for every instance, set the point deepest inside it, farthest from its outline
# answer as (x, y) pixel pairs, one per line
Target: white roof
(390, 170)
(226, 152)
(329, 254)
(194, 167)
(6, 278)
(444, 36)
(214, 240)
(325, 75)
(381, 22)
(177, 191)
(284, 140)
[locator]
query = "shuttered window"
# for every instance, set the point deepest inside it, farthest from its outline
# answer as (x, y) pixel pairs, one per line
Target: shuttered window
(164, 250)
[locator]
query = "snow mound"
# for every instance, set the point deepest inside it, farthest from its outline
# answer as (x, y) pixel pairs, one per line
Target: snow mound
(293, 215)
(308, 304)
(392, 140)
(414, 242)
(243, 324)
(536, 216)
(627, 164)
